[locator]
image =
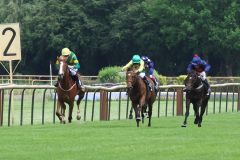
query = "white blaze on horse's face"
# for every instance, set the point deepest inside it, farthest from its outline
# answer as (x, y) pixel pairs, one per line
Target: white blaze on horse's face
(60, 68)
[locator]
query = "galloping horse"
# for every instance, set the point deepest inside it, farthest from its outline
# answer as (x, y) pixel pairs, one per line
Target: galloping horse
(196, 93)
(140, 96)
(66, 91)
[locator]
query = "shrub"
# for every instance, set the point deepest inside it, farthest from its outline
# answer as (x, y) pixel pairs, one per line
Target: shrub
(111, 75)
(162, 79)
(180, 79)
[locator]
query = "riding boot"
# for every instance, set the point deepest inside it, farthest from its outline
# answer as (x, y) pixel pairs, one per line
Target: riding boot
(148, 84)
(79, 83)
(208, 86)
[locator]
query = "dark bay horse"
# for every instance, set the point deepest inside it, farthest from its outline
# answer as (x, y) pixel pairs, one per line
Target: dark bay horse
(140, 96)
(196, 93)
(66, 91)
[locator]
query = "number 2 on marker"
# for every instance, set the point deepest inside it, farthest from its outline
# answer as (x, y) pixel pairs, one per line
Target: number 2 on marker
(5, 53)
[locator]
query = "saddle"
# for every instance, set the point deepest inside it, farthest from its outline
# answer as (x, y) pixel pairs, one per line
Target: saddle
(148, 84)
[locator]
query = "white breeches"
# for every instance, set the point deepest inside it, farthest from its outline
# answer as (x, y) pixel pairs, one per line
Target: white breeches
(142, 74)
(203, 75)
(73, 71)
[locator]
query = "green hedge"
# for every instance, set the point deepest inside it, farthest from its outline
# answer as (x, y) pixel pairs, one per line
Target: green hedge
(111, 75)
(180, 79)
(114, 75)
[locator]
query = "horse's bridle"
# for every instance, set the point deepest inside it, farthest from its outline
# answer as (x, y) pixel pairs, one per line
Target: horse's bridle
(132, 80)
(193, 86)
(63, 73)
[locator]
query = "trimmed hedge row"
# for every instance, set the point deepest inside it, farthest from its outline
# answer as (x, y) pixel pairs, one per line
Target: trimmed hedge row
(113, 74)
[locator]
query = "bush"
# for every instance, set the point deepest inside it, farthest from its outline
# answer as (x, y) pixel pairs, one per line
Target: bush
(111, 75)
(162, 79)
(180, 79)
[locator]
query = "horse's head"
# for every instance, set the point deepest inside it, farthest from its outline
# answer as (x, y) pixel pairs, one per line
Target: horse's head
(63, 67)
(192, 81)
(131, 77)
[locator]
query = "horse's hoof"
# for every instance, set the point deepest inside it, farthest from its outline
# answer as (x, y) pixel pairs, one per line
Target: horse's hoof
(63, 121)
(130, 117)
(184, 125)
(78, 117)
(199, 125)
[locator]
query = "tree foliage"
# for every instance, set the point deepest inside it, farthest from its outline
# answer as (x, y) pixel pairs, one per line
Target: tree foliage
(109, 32)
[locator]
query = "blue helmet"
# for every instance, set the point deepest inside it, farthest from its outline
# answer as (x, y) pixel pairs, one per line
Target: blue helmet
(196, 60)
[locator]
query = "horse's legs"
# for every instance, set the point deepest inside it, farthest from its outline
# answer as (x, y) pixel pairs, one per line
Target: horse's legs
(187, 112)
(70, 112)
(203, 108)
(196, 111)
(140, 109)
(142, 112)
(80, 97)
(60, 112)
(149, 114)
(130, 113)
(135, 107)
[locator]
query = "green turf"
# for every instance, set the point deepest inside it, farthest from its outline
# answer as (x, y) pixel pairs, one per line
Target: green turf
(218, 139)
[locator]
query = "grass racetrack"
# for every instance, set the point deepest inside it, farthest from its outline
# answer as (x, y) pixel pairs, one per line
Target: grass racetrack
(217, 139)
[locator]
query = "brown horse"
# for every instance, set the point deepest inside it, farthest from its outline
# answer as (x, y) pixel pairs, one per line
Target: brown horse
(140, 96)
(66, 91)
(196, 93)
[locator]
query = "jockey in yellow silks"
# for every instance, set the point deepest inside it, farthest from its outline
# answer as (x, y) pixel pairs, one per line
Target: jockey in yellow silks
(73, 65)
(138, 63)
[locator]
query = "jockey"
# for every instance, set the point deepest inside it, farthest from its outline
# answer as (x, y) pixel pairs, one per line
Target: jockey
(73, 65)
(138, 63)
(201, 67)
(149, 67)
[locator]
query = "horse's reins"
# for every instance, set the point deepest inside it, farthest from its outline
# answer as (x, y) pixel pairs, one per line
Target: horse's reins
(199, 87)
(68, 89)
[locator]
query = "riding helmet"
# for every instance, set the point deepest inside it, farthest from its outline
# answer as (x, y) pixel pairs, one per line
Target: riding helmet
(66, 52)
(196, 60)
(136, 59)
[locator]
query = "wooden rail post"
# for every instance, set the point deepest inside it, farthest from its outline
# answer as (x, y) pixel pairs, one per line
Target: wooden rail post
(179, 102)
(238, 102)
(1, 108)
(103, 105)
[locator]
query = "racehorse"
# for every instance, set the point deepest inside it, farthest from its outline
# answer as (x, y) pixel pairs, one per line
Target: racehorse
(196, 93)
(140, 96)
(66, 91)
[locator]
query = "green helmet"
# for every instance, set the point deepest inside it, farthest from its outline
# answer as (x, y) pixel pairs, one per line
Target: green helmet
(136, 59)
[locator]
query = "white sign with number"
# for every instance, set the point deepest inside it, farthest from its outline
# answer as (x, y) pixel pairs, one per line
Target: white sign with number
(10, 48)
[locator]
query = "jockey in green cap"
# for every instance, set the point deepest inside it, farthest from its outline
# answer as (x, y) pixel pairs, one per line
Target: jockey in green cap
(138, 64)
(73, 65)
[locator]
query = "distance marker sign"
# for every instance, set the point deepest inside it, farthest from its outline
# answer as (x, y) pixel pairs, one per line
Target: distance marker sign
(10, 47)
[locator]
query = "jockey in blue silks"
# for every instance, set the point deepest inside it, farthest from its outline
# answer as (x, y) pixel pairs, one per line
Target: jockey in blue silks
(149, 69)
(201, 67)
